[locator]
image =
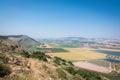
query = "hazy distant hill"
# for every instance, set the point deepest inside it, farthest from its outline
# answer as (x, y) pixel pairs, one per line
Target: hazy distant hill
(23, 40)
(75, 38)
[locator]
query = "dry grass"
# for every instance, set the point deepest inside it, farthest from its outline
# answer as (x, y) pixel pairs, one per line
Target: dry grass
(77, 54)
(22, 77)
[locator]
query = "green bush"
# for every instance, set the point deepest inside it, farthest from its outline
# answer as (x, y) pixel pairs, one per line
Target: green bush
(57, 61)
(75, 78)
(88, 75)
(70, 63)
(61, 73)
(39, 55)
(3, 59)
(70, 70)
(4, 70)
(26, 54)
(48, 56)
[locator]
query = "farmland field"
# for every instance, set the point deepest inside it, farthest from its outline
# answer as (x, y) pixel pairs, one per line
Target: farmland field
(99, 62)
(63, 45)
(91, 66)
(53, 50)
(78, 54)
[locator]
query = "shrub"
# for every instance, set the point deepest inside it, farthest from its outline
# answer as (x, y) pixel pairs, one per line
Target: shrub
(88, 75)
(60, 59)
(3, 59)
(75, 78)
(70, 63)
(61, 73)
(70, 70)
(26, 54)
(39, 55)
(48, 56)
(57, 61)
(4, 70)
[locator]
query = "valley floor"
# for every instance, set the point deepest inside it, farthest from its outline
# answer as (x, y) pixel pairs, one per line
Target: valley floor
(78, 54)
(90, 66)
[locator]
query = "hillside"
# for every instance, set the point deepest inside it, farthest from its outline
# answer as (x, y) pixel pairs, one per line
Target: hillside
(23, 40)
(17, 64)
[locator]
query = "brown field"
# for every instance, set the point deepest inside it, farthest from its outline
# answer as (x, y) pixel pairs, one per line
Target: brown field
(91, 66)
(78, 54)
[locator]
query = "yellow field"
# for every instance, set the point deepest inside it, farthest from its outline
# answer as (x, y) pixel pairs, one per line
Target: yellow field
(77, 54)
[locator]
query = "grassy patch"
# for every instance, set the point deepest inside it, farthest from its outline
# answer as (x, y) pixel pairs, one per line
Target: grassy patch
(64, 45)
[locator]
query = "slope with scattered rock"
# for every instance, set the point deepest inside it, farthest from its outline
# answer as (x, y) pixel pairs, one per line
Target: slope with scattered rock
(18, 64)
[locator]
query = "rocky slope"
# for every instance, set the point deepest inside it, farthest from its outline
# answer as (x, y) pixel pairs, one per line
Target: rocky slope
(17, 64)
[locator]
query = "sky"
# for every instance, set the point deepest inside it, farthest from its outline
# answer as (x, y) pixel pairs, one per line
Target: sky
(60, 18)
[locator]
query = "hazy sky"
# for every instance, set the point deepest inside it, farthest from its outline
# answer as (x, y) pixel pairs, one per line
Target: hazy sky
(60, 18)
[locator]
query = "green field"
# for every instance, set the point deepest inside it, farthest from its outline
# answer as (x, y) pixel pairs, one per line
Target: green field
(51, 50)
(64, 45)
(100, 62)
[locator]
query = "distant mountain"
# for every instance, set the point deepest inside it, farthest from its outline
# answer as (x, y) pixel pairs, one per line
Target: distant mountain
(23, 40)
(75, 38)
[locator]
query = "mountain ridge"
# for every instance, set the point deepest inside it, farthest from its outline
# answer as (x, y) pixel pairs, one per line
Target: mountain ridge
(24, 40)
